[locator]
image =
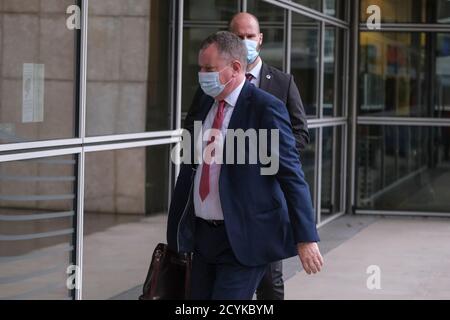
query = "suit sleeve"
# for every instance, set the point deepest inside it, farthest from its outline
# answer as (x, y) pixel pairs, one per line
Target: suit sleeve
(298, 116)
(290, 174)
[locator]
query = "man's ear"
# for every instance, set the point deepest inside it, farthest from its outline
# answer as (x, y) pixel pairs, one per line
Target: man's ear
(261, 39)
(237, 66)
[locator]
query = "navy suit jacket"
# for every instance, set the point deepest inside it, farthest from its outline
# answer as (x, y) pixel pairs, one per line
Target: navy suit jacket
(265, 216)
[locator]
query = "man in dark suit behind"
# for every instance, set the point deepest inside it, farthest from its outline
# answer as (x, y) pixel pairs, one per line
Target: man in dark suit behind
(235, 219)
(282, 86)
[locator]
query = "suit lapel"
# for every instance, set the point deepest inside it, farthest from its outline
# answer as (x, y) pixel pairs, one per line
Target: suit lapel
(238, 113)
(239, 108)
(266, 78)
(235, 123)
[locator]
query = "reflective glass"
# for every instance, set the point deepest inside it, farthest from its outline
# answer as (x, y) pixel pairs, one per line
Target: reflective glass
(38, 72)
(332, 145)
(126, 201)
(210, 10)
(408, 11)
(305, 63)
(37, 228)
(128, 67)
(403, 168)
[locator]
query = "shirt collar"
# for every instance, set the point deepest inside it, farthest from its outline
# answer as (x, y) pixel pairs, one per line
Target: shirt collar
(234, 95)
(256, 71)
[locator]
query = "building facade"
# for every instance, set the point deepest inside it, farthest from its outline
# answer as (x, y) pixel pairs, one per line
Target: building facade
(89, 116)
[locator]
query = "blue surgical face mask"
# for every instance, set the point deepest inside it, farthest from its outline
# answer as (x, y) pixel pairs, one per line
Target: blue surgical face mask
(210, 83)
(252, 50)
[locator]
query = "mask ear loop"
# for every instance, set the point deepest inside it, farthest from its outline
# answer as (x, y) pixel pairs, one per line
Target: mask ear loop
(229, 80)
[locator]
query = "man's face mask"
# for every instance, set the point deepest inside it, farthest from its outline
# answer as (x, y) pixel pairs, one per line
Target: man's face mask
(252, 50)
(210, 82)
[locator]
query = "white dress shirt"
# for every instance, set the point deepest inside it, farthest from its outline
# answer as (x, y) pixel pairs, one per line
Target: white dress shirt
(256, 73)
(211, 208)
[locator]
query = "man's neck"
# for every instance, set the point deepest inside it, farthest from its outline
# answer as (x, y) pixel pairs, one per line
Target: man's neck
(250, 67)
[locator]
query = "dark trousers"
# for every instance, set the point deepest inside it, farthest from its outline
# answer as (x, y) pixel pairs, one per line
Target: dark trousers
(216, 273)
(271, 286)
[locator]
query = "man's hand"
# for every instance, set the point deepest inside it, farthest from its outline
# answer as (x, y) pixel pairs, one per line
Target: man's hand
(310, 257)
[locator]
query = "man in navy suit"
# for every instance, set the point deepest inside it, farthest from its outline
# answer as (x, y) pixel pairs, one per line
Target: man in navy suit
(235, 219)
(281, 85)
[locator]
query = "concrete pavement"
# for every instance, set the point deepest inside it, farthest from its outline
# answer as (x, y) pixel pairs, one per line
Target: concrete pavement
(413, 255)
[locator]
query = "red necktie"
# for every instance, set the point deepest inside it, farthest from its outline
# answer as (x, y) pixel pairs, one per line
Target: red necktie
(217, 124)
(249, 77)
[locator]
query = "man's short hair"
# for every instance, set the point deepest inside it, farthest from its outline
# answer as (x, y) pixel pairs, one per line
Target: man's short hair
(229, 45)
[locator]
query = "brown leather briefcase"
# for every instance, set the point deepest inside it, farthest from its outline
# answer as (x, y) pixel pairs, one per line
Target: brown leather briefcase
(168, 277)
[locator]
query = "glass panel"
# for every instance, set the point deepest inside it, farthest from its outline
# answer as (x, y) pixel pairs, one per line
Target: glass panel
(210, 10)
(265, 12)
(128, 67)
(304, 62)
(298, 19)
(397, 11)
(403, 168)
(193, 37)
(273, 48)
(393, 75)
(409, 11)
(329, 105)
(125, 207)
(334, 79)
(271, 20)
(313, 4)
(37, 71)
(37, 215)
(443, 11)
(308, 160)
(335, 8)
(331, 171)
(442, 87)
